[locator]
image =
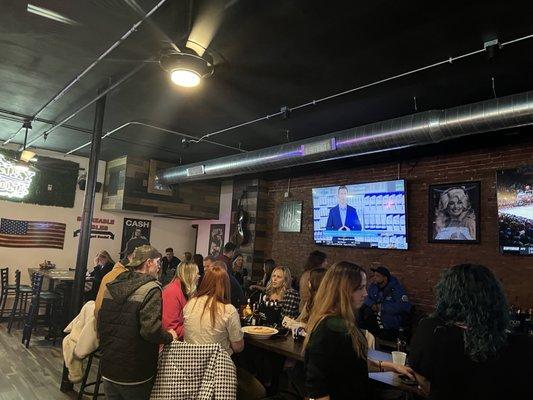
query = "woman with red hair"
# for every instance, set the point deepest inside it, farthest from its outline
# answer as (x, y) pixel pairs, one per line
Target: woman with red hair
(209, 315)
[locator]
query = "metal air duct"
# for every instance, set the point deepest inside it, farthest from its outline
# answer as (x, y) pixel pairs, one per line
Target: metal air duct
(411, 130)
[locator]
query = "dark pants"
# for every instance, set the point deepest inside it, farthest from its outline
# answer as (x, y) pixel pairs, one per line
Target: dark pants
(114, 391)
(368, 320)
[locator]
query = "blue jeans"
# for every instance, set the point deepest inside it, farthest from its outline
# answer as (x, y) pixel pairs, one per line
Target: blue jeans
(114, 391)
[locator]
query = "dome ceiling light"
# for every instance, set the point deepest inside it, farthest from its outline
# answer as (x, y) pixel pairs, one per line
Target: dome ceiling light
(186, 69)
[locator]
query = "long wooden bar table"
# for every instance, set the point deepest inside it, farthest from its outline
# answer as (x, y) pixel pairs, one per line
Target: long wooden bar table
(287, 347)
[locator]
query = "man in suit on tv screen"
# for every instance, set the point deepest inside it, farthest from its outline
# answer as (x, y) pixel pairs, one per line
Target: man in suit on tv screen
(343, 217)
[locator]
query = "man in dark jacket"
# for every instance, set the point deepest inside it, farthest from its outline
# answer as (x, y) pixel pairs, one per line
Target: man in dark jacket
(169, 263)
(386, 305)
(129, 328)
(237, 294)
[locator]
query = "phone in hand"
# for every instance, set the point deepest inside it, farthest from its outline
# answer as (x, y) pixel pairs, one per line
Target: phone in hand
(407, 380)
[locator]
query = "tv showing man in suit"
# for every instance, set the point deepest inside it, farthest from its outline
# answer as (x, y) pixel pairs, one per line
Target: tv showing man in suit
(343, 217)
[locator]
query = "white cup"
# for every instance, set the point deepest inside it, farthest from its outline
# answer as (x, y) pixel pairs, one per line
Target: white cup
(399, 357)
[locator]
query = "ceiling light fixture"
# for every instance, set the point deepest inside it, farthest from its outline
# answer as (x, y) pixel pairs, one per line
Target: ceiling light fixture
(186, 69)
(27, 156)
(186, 78)
(44, 12)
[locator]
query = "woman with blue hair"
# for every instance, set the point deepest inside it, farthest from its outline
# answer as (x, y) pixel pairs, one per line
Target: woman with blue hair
(463, 350)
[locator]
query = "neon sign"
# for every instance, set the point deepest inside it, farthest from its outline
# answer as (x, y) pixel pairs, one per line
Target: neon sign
(15, 180)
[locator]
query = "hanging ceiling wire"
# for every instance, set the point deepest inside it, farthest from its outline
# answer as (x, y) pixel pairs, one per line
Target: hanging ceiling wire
(100, 58)
(449, 60)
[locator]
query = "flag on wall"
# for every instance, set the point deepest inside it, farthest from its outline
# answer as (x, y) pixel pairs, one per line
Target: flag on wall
(15, 233)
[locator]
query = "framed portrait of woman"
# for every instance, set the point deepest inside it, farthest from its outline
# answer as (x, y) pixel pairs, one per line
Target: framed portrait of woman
(453, 215)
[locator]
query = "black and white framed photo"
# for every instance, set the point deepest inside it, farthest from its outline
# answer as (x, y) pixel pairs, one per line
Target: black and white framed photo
(453, 215)
(216, 239)
(135, 231)
(290, 217)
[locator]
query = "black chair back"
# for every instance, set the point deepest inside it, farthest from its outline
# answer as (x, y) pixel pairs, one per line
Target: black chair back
(17, 280)
(36, 284)
(4, 276)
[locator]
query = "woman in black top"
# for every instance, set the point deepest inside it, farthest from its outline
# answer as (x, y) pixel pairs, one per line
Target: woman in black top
(463, 351)
(103, 264)
(336, 363)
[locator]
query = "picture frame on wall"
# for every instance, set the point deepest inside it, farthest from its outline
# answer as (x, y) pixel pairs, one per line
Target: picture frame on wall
(290, 217)
(136, 231)
(454, 212)
(153, 186)
(514, 190)
(216, 239)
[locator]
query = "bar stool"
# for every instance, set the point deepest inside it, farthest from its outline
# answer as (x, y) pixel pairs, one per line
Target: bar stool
(20, 305)
(84, 385)
(40, 299)
(7, 290)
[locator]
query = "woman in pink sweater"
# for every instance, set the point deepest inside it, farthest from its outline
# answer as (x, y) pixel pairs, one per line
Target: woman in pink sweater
(176, 294)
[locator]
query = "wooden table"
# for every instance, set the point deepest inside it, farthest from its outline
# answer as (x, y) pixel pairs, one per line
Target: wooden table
(55, 274)
(287, 347)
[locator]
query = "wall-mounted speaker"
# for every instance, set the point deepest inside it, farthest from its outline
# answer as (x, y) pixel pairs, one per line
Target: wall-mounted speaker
(82, 182)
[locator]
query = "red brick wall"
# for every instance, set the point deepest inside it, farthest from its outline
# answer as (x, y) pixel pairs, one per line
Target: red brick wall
(419, 267)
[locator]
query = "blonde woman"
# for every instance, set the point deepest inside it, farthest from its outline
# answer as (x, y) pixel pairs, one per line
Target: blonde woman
(280, 289)
(103, 263)
(336, 363)
(455, 219)
(176, 294)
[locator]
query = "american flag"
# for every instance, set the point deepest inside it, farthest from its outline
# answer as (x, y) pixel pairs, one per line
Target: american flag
(15, 233)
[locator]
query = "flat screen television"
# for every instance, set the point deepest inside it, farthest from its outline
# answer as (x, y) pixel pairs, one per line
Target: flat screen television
(515, 210)
(365, 215)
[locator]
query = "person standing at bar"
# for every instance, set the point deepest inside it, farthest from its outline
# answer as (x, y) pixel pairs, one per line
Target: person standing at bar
(236, 292)
(198, 259)
(169, 263)
(335, 361)
(130, 330)
(111, 276)
(176, 294)
(238, 268)
(316, 259)
(228, 252)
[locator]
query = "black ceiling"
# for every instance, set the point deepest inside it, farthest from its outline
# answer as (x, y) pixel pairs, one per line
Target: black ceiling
(270, 54)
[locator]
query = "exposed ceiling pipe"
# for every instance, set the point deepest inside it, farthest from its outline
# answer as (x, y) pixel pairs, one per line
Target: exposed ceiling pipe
(159, 129)
(100, 58)
(314, 102)
(411, 130)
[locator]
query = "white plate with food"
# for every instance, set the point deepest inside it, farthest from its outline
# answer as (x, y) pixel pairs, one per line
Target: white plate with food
(259, 332)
